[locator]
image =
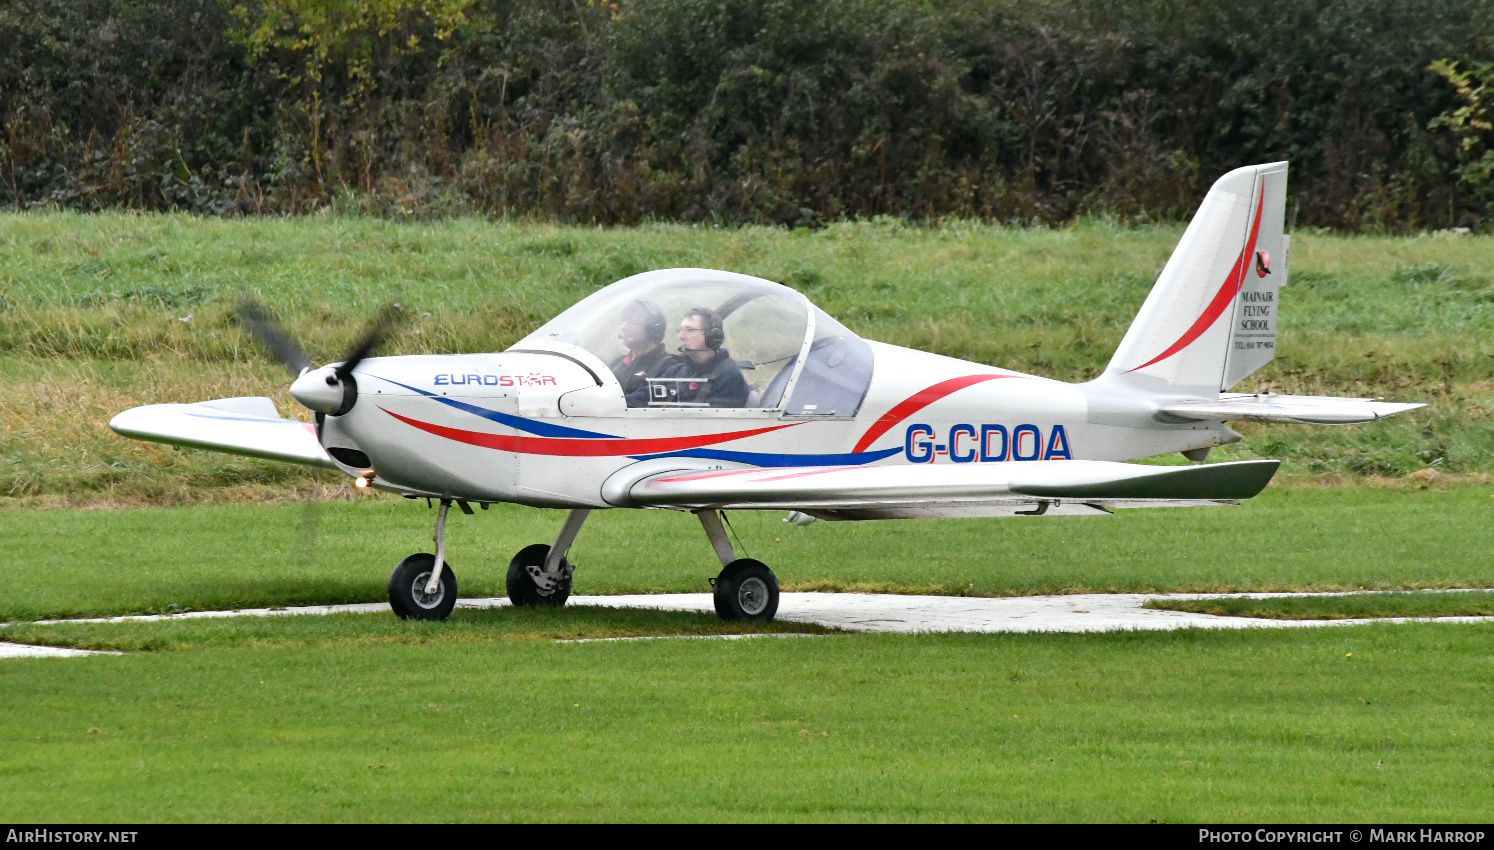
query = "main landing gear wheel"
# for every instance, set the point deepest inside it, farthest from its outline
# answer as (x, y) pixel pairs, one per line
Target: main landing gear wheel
(407, 594)
(746, 590)
(529, 585)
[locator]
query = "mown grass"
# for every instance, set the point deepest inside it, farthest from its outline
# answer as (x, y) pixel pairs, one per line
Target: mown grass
(1367, 724)
(357, 631)
(162, 560)
(103, 312)
(1461, 604)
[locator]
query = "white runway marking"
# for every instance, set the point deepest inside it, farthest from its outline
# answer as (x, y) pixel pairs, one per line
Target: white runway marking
(21, 650)
(1086, 612)
(862, 612)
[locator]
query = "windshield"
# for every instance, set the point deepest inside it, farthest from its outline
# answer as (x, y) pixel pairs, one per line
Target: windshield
(761, 330)
(762, 324)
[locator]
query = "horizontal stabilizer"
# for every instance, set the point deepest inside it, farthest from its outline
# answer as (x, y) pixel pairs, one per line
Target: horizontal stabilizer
(970, 489)
(241, 426)
(1302, 409)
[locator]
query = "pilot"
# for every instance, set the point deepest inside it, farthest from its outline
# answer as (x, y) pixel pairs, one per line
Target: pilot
(643, 333)
(720, 382)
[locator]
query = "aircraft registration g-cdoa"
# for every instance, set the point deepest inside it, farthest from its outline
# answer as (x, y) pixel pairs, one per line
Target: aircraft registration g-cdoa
(767, 403)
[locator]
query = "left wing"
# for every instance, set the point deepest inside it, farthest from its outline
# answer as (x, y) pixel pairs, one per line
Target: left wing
(241, 426)
(1034, 488)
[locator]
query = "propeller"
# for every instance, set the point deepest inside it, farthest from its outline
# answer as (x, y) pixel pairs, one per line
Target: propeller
(331, 390)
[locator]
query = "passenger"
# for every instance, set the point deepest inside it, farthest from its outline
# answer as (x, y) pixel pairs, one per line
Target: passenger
(720, 382)
(642, 332)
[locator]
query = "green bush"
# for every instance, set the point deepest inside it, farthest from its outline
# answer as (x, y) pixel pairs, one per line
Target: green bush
(767, 111)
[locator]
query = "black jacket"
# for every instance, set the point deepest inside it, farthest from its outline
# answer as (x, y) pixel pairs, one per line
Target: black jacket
(633, 373)
(722, 384)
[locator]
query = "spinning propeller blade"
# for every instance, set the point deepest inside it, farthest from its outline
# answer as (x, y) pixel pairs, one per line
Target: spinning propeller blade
(388, 319)
(330, 391)
(268, 333)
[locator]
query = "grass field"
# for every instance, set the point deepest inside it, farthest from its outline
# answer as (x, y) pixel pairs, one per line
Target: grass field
(1360, 724)
(488, 717)
(1452, 604)
(485, 716)
(100, 313)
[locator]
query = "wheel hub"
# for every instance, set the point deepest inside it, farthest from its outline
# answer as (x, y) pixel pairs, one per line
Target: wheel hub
(752, 595)
(426, 601)
(544, 584)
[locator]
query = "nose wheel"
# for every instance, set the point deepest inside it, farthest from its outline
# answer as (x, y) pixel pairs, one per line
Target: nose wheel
(746, 590)
(410, 593)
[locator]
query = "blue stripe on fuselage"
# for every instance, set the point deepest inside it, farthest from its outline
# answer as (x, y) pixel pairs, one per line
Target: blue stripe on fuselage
(542, 429)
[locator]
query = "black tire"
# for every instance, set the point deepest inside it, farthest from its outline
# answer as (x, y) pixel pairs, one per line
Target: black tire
(522, 589)
(407, 589)
(746, 590)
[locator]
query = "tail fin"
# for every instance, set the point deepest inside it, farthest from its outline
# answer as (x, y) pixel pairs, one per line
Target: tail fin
(1210, 319)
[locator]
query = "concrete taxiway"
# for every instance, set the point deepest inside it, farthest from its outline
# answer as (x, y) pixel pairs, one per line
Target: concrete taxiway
(863, 612)
(21, 650)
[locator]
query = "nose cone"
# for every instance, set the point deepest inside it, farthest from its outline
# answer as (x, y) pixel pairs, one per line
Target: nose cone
(313, 391)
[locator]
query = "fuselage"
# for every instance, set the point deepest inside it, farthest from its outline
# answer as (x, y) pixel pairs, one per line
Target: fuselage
(548, 425)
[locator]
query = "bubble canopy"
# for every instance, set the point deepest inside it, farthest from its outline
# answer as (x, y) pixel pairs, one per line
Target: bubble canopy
(769, 329)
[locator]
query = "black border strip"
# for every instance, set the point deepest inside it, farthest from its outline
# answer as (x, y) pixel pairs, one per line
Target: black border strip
(558, 354)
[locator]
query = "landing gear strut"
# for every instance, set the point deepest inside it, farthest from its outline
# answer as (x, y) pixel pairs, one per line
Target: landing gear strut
(423, 587)
(746, 589)
(540, 575)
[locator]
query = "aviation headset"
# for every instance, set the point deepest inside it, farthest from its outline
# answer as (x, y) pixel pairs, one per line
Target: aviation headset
(715, 332)
(653, 319)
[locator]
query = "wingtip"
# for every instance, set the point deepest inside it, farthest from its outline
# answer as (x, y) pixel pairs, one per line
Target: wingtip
(120, 423)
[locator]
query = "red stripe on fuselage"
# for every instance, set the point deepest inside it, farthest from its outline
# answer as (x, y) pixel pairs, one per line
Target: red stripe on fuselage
(802, 474)
(704, 475)
(1227, 292)
(917, 402)
(580, 448)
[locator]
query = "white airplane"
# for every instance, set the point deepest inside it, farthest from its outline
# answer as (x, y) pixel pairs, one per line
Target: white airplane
(770, 404)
